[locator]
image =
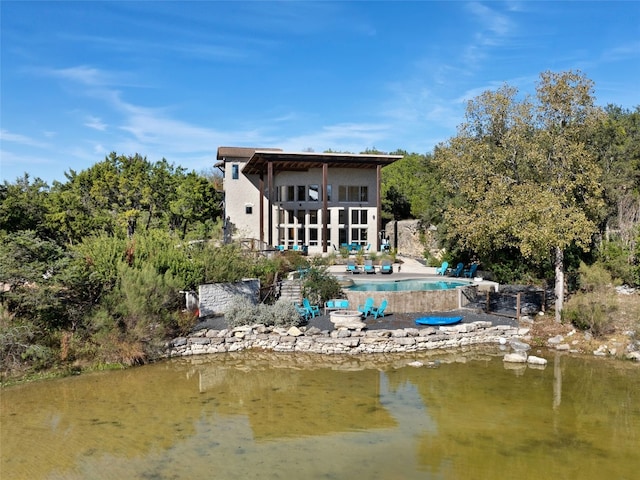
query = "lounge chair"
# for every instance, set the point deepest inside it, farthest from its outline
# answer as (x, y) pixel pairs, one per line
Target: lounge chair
(386, 267)
(379, 311)
(366, 308)
(443, 268)
(458, 271)
(352, 267)
(471, 271)
(368, 266)
(313, 310)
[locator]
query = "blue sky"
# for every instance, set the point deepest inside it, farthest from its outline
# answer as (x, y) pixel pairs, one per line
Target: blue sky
(179, 79)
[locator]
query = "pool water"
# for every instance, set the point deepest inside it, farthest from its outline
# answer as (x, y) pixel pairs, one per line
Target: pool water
(405, 286)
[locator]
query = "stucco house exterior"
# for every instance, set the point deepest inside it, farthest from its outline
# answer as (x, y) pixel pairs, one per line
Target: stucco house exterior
(315, 202)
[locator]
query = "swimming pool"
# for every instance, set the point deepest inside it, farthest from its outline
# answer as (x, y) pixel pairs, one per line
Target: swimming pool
(405, 286)
(412, 295)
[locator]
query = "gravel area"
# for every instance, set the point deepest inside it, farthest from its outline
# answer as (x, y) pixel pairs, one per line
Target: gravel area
(388, 322)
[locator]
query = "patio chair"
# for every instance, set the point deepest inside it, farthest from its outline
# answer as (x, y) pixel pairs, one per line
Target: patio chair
(352, 267)
(368, 266)
(366, 308)
(458, 271)
(471, 271)
(313, 310)
(443, 268)
(302, 311)
(386, 267)
(379, 311)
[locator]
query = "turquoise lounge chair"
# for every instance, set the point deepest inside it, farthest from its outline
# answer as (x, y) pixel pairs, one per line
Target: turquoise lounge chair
(471, 271)
(366, 308)
(443, 268)
(458, 271)
(312, 309)
(379, 311)
(352, 267)
(368, 266)
(386, 267)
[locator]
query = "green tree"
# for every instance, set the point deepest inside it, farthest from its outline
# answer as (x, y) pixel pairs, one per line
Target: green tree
(524, 172)
(23, 205)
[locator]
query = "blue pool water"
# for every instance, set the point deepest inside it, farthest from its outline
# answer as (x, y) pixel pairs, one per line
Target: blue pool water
(405, 286)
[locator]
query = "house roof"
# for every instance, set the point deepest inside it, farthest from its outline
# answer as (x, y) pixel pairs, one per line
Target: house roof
(306, 160)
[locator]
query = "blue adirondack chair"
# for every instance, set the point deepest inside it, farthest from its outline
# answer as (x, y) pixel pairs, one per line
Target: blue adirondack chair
(443, 268)
(366, 308)
(469, 273)
(313, 310)
(302, 311)
(458, 271)
(379, 311)
(386, 267)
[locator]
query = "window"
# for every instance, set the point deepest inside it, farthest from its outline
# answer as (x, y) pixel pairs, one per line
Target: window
(359, 235)
(342, 217)
(358, 217)
(235, 171)
(313, 217)
(248, 209)
(290, 194)
(313, 236)
(353, 193)
(302, 193)
(342, 236)
(300, 216)
(313, 194)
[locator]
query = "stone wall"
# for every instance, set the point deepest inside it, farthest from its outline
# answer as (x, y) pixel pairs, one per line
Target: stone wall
(350, 342)
(213, 298)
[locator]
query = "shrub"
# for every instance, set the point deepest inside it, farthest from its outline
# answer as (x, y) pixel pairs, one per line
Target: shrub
(592, 308)
(242, 311)
(320, 286)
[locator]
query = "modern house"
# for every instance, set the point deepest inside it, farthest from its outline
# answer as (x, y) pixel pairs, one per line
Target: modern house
(315, 202)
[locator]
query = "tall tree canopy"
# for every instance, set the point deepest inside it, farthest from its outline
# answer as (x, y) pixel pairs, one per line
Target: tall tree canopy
(525, 172)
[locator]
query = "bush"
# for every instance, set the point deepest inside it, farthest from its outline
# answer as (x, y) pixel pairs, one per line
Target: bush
(592, 308)
(319, 286)
(242, 311)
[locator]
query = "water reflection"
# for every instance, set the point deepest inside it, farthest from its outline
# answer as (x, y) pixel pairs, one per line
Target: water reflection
(258, 415)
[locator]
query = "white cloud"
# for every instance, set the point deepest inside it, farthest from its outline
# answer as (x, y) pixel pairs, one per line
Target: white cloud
(6, 136)
(96, 123)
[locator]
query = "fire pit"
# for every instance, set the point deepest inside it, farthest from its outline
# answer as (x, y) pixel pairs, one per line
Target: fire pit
(349, 319)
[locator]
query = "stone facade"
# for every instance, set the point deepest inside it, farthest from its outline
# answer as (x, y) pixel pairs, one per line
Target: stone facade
(342, 341)
(213, 298)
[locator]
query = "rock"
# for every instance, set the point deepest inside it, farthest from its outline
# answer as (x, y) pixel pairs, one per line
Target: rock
(517, 357)
(519, 346)
(563, 347)
(415, 364)
(294, 332)
(532, 359)
(555, 340)
(633, 356)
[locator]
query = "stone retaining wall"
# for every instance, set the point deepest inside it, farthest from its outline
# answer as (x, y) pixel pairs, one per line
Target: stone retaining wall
(213, 298)
(349, 342)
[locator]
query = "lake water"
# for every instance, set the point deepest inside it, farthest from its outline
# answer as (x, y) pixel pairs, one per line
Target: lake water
(282, 416)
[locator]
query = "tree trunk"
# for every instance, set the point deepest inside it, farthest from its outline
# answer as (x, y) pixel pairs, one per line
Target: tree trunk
(559, 290)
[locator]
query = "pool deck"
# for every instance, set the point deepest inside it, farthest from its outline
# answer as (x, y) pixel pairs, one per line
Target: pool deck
(410, 269)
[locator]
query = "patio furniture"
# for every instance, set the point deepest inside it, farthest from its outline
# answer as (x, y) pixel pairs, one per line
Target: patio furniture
(443, 268)
(336, 304)
(471, 271)
(352, 267)
(458, 271)
(379, 311)
(312, 309)
(366, 308)
(368, 266)
(386, 267)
